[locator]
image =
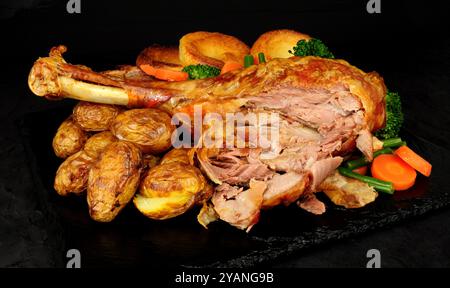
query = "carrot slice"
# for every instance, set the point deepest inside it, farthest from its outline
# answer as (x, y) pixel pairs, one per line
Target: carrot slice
(150, 70)
(255, 59)
(414, 160)
(391, 168)
(164, 74)
(361, 170)
(230, 66)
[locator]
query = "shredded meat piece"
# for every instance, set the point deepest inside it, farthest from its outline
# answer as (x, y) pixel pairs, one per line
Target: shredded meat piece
(239, 207)
(207, 215)
(235, 166)
(284, 189)
(311, 204)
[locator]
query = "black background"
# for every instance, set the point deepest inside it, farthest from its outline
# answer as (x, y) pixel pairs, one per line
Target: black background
(407, 43)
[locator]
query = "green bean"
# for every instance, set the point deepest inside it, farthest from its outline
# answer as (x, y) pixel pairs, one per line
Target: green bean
(363, 161)
(379, 185)
(248, 61)
(393, 143)
(261, 57)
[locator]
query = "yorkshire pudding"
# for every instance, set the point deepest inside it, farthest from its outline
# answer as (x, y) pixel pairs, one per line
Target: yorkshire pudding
(161, 57)
(277, 43)
(211, 48)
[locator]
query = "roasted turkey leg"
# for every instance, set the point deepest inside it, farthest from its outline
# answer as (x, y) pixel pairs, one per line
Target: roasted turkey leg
(275, 85)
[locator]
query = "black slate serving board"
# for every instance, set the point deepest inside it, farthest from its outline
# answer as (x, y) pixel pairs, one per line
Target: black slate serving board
(133, 240)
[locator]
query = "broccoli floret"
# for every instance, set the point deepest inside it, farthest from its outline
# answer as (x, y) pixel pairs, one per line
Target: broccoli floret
(394, 117)
(200, 71)
(312, 47)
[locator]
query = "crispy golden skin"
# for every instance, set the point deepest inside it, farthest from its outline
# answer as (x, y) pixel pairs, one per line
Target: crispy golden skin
(347, 192)
(98, 142)
(170, 189)
(277, 43)
(207, 215)
(113, 180)
(69, 139)
(230, 92)
(94, 116)
(150, 129)
(211, 48)
(72, 174)
(176, 155)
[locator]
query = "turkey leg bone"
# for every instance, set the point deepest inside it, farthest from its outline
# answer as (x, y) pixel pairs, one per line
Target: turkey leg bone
(53, 78)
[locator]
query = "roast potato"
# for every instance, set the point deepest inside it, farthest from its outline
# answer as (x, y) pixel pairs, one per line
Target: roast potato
(94, 116)
(176, 155)
(69, 139)
(113, 180)
(212, 49)
(72, 174)
(170, 189)
(98, 142)
(150, 129)
(277, 43)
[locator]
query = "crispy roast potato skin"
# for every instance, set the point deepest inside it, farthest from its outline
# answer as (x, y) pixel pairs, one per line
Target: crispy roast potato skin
(277, 43)
(113, 180)
(171, 189)
(98, 142)
(211, 48)
(148, 128)
(94, 116)
(72, 174)
(69, 139)
(176, 155)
